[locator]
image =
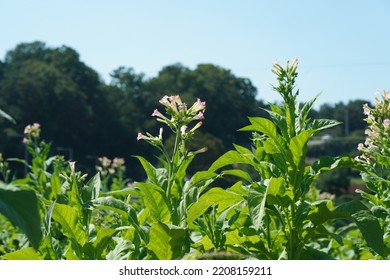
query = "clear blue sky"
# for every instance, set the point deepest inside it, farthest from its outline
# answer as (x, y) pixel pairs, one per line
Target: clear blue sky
(343, 46)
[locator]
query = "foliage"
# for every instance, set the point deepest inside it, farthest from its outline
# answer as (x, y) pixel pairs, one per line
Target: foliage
(375, 157)
(37, 81)
(271, 210)
(283, 223)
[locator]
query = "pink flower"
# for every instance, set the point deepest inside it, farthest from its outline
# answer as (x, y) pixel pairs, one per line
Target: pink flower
(198, 106)
(386, 124)
(164, 100)
(386, 95)
(155, 113)
(200, 116)
(72, 166)
(139, 136)
(366, 109)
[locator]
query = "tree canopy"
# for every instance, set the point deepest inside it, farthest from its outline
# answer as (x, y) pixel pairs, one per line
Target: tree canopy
(79, 112)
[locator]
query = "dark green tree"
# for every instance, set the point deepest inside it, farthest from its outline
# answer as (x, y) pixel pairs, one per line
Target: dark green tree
(53, 87)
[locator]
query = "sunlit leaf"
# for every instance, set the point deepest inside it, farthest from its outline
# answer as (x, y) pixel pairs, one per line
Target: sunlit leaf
(155, 200)
(166, 241)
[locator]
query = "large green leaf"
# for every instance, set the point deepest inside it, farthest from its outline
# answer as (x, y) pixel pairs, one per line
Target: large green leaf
(215, 196)
(322, 211)
(91, 190)
(155, 200)
(149, 169)
(21, 208)
(327, 163)
(301, 122)
(166, 241)
(69, 219)
(309, 253)
(113, 204)
(262, 125)
(23, 254)
(371, 230)
(321, 124)
(298, 146)
(278, 193)
(256, 203)
(239, 173)
(231, 157)
(97, 248)
(121, 251)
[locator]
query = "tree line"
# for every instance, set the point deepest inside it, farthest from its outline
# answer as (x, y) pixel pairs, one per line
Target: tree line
(85, 118)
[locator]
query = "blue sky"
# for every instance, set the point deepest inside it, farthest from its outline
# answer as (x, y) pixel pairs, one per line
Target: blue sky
(343, 47)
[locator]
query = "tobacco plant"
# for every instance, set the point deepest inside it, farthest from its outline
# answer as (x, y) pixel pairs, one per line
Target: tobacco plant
(271, 211)
(281, 223)
(168, 192)
(375, 157)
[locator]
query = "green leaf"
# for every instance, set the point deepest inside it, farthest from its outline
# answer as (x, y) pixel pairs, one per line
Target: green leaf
(149, 169)
(277, 192)
(202, 178)
(121, 251)
(306, 108)
(371, 230)
(298, 146)
(91, 190)
(113, 204)
(278, 119)
(155, 201)
(96, 249)
(262, 125)
(215, 196)
(239, 173)
(242, 150)
(351, 207)
(47, 219)
(6, 116)
(256, 203)
(68, 218)
(309, 253)
(21, 208)
(321, 124)
(231, 157)
(321, 211)
(166, 241)
(125, 191)
(23, 254)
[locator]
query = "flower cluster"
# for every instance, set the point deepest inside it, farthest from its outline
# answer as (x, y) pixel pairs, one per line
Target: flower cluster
(180, 117)
(108, 166)
(31, 132)
(377, 144)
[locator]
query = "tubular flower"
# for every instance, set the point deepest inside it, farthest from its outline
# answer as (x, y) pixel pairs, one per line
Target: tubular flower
(33, 130)
(376, 146)
(154, 140)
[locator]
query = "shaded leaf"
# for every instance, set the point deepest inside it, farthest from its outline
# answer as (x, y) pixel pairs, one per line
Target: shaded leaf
(21, 208)
(371, 230)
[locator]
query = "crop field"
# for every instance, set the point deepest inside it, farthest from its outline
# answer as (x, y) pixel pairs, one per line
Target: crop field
(271, 209)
